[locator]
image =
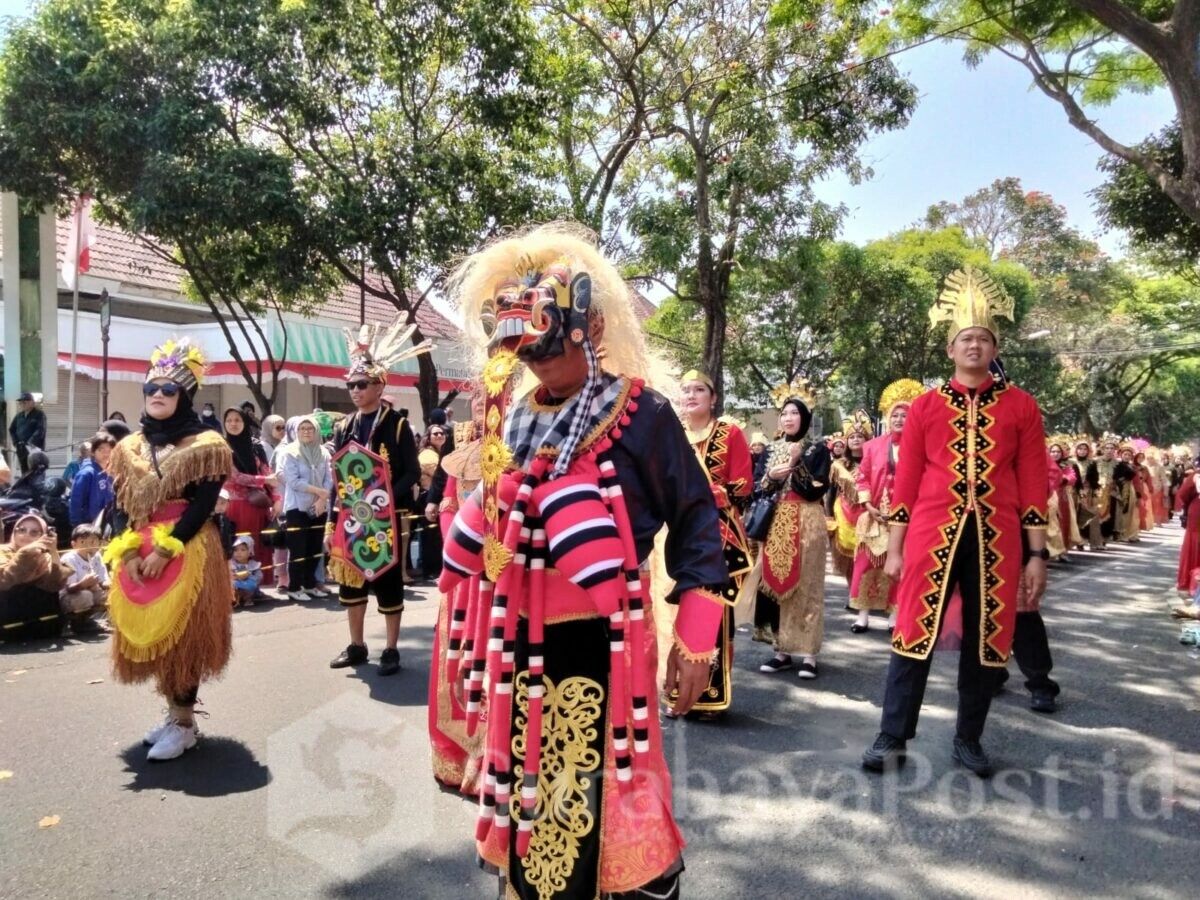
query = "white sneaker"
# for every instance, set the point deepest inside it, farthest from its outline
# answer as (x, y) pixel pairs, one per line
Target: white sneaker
(318, 593)
(158, 731)
(298, 596)
(174, 740)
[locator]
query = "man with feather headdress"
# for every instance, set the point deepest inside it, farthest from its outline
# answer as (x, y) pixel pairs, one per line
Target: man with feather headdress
(364, 554)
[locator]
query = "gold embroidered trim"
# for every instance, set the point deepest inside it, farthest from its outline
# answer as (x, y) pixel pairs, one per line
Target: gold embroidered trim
(570, 713)
(691, 656)
(783, 540)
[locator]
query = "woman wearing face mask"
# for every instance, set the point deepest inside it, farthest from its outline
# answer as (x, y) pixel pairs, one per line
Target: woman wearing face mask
(252, 500)
(208, 416)
(31, 575)
(307, 480)
(171, 595)
(789, 612)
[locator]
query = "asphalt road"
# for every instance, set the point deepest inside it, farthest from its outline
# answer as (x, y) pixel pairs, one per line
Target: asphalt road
(316, 783)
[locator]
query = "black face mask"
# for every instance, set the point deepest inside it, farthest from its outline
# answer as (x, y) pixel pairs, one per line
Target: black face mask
(538, 319)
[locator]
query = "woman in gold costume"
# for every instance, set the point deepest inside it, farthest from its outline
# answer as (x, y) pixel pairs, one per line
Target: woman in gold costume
(171, 593)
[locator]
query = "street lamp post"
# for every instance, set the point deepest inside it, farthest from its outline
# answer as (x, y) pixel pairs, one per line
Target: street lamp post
(105, 321)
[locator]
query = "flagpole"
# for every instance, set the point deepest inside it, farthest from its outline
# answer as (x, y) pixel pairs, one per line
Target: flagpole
(74, 331)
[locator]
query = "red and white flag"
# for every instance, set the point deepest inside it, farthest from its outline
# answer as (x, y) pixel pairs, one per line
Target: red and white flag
(80, 239)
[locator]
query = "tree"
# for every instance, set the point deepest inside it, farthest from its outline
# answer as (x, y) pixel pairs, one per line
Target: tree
(991, 214)
(1084, 53)
(1129, 199)
(285, 144)
(750, 104)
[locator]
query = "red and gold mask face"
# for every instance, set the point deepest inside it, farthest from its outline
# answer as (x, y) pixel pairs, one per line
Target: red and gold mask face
(535, 317)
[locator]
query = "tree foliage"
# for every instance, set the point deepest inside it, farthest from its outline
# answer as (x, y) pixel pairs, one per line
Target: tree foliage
(741, 105)
(273, 148)
(1080, 54)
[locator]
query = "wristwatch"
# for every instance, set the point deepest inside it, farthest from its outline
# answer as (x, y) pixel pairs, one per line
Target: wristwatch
(1037, 554)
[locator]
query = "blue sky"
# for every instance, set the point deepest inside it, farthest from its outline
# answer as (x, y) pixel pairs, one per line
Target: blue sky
(971, 127)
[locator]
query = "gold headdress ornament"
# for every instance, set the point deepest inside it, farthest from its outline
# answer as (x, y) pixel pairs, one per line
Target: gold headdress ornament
(971, 299)
(374, 350)
(858, 423)
(1109, 438)
(181, 361)
(799, 389)
(697, 375)
(1081, 439)
(905, 391)
(1064, 442)
(759, 438)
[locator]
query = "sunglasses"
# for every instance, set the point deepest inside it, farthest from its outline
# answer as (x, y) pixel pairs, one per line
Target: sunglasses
(31, 532)
(358, 385)
(170, 389)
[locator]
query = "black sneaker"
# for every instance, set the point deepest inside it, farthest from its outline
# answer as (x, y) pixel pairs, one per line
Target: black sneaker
(970, 755)
(886, 752)
(389, 661)
(353, 655)
(807, 670)
(775, 664)
(1043, 703)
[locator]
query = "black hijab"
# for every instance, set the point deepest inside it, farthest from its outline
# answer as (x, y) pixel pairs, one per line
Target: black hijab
(805, 418)
(182, 423)
(244, 456)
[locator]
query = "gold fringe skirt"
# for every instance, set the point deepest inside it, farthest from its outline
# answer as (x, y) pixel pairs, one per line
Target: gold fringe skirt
(201, 650)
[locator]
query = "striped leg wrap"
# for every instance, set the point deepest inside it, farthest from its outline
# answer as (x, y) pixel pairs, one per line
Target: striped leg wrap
(537, 688)
(636, 612)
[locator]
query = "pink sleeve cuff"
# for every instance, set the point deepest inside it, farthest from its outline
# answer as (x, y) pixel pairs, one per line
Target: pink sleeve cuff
(697, 624)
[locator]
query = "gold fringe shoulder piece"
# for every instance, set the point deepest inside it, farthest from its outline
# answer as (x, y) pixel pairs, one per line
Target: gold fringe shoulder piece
(139, 489)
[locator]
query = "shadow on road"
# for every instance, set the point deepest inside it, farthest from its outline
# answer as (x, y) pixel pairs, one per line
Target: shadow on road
(215, 767)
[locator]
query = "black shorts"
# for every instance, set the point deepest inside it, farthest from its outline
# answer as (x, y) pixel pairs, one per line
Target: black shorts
(388, 589)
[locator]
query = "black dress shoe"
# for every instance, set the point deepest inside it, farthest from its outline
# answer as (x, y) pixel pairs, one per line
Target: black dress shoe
(859, 629)
(389, 661)
(970, 755)
(1043, 703)
(886, 752)
(353, 655)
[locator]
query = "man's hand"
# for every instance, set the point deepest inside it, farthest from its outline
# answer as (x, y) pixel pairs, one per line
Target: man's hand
(431, 512)
(1035, 580)
(689, 678)
(893, 567)
(153, 565)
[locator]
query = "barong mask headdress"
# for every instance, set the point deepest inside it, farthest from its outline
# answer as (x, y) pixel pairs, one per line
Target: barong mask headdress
(374, 350)
(971, 299)
(181, 361)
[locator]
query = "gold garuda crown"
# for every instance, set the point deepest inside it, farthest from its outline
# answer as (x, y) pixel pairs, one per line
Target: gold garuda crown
(799, 388)
(970, 299)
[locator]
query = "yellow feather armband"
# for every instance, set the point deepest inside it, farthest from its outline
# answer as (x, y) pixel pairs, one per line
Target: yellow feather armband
(121, 546)
(165, 544)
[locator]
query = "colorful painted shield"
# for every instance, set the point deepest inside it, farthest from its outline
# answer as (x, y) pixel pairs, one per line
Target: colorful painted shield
(365, 536)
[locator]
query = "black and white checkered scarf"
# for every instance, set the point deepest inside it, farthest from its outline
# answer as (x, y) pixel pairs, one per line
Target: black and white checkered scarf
(530, 428)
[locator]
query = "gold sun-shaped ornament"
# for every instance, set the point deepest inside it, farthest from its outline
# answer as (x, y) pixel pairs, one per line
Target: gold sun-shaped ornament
(495, 458)
(496, 372)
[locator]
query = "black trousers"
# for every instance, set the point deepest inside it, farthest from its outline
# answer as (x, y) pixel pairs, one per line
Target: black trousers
(304, 538)
(1031, 650)
(906, 677)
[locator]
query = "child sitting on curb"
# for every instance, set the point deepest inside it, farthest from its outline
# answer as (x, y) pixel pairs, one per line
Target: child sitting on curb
(246, 571)
(86, 591)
